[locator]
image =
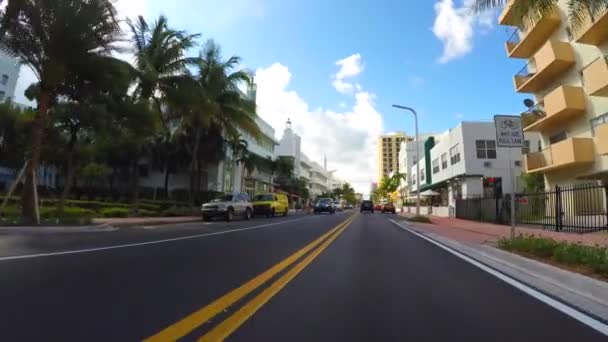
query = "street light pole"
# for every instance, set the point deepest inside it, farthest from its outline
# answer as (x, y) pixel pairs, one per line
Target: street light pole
(417, 156)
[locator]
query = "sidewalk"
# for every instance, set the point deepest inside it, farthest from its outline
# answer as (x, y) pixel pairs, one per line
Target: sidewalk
(136, 221)
(483, 232)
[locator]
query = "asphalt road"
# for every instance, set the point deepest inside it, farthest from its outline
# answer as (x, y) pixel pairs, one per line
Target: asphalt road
(372, 282)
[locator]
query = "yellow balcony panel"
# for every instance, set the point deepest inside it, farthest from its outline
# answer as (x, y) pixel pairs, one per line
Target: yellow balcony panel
(524, 44)
(601, 139)
(567, 153)
(561, 105)
(595, 76)
(594, 32)
(508, 15)
(548, 63)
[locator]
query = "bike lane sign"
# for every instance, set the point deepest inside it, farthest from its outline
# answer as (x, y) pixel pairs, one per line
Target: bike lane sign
(509, 132)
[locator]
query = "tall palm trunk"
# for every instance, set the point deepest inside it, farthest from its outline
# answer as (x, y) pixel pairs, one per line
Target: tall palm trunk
(166, 181)
(29, 201)
(194, 164)
(69, 174)
(135, 187)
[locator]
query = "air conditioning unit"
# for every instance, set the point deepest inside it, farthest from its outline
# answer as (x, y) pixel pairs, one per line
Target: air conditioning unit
(487, 164)
(518, 163)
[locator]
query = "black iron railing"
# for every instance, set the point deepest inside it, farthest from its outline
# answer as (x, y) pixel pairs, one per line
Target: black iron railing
(574, 208)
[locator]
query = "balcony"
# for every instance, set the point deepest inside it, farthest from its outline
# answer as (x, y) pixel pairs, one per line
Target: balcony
(549, 62)
(508, 15)
(561, 105)
(601, 139)
(567, 153)
(594, 32)
(595, 76)
(522, 44)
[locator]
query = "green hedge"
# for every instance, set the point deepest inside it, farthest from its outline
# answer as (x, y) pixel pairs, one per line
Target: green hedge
(176, 211)
(115, 212)
(595, 259)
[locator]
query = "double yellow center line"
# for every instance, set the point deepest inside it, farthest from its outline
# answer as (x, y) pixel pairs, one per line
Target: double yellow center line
(230, 324)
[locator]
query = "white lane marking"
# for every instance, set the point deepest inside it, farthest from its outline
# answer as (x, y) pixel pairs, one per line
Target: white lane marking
(568, 310)
(77, 251)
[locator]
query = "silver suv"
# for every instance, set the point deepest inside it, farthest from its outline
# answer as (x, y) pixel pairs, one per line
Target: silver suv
(228, 206)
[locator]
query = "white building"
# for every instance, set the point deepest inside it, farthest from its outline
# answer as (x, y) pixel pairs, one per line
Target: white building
(464, 162)
(9, 73)
(407, 158)
(320, 180)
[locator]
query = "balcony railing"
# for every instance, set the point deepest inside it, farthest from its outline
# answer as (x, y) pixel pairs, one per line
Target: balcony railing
(548, 63)
(524, 42)
(566, 153)
(595, 77)
(595, 30)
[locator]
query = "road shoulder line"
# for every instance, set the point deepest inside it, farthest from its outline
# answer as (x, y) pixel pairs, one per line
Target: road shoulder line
(562, 307)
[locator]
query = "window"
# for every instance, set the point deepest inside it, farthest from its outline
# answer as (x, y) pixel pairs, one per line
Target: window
(4, 79)
(143, 170)
(414, 179)
(540, 146)
(414, 160)
(2, 94)
(600, 120)
(454, 154)
(558, 137)
(486, 149)
(435, 165)
(444, 161)
(421, 175)
(526, 148)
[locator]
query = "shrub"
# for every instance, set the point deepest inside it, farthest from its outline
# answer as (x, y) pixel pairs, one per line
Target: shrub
(594, 259)
(114, 212)
(176, 211)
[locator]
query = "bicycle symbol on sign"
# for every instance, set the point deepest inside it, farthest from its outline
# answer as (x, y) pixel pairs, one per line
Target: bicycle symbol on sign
(508, 123)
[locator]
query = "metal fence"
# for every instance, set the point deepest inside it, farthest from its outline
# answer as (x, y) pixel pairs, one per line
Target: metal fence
(576, 208)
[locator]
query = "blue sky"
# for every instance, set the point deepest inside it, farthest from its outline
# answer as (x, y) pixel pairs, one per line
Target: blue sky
(430, 55)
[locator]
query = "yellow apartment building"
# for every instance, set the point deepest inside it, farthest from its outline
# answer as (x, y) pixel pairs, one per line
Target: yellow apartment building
(388, 153)
(566, 70)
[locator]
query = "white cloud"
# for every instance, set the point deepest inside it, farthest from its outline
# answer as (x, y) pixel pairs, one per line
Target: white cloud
(347, 137)
(350, 67)
(455, 27)
(125, 9)
(459, 116)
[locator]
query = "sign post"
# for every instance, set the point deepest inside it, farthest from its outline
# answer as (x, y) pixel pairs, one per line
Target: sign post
(509, 134)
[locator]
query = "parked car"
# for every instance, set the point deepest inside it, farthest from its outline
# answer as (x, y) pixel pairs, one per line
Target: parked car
(337, 205)
(324, 205)
(378, 207)
(367, 206)
(228, 206)
(388, 208)
(270, 205)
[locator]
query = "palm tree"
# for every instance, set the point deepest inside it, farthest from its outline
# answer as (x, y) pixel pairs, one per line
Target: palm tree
(160, 62)
(250, 163)
(531, 10)
(57, 40)
(216, 100)
(239, 147)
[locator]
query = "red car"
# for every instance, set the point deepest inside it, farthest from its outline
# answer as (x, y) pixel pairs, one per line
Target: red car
(377, 206)
(388, 208)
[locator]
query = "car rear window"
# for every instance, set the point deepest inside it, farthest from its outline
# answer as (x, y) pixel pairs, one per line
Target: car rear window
(367, 202)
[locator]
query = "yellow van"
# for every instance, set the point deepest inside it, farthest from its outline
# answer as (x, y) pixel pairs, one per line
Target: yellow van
(270, 204)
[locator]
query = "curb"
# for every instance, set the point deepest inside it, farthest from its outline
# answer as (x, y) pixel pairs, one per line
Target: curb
(57, 229)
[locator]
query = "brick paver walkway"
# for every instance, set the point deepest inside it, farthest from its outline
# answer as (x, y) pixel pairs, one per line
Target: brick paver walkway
(482, 232)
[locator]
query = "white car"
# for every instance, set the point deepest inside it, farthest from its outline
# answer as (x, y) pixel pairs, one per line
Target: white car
(228, 206)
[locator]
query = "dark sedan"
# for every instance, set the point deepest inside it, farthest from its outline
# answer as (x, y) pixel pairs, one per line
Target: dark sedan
(367, 206)
(324, 205)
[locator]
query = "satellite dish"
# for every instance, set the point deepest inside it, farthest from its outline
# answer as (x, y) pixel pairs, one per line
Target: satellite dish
(528, 103)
